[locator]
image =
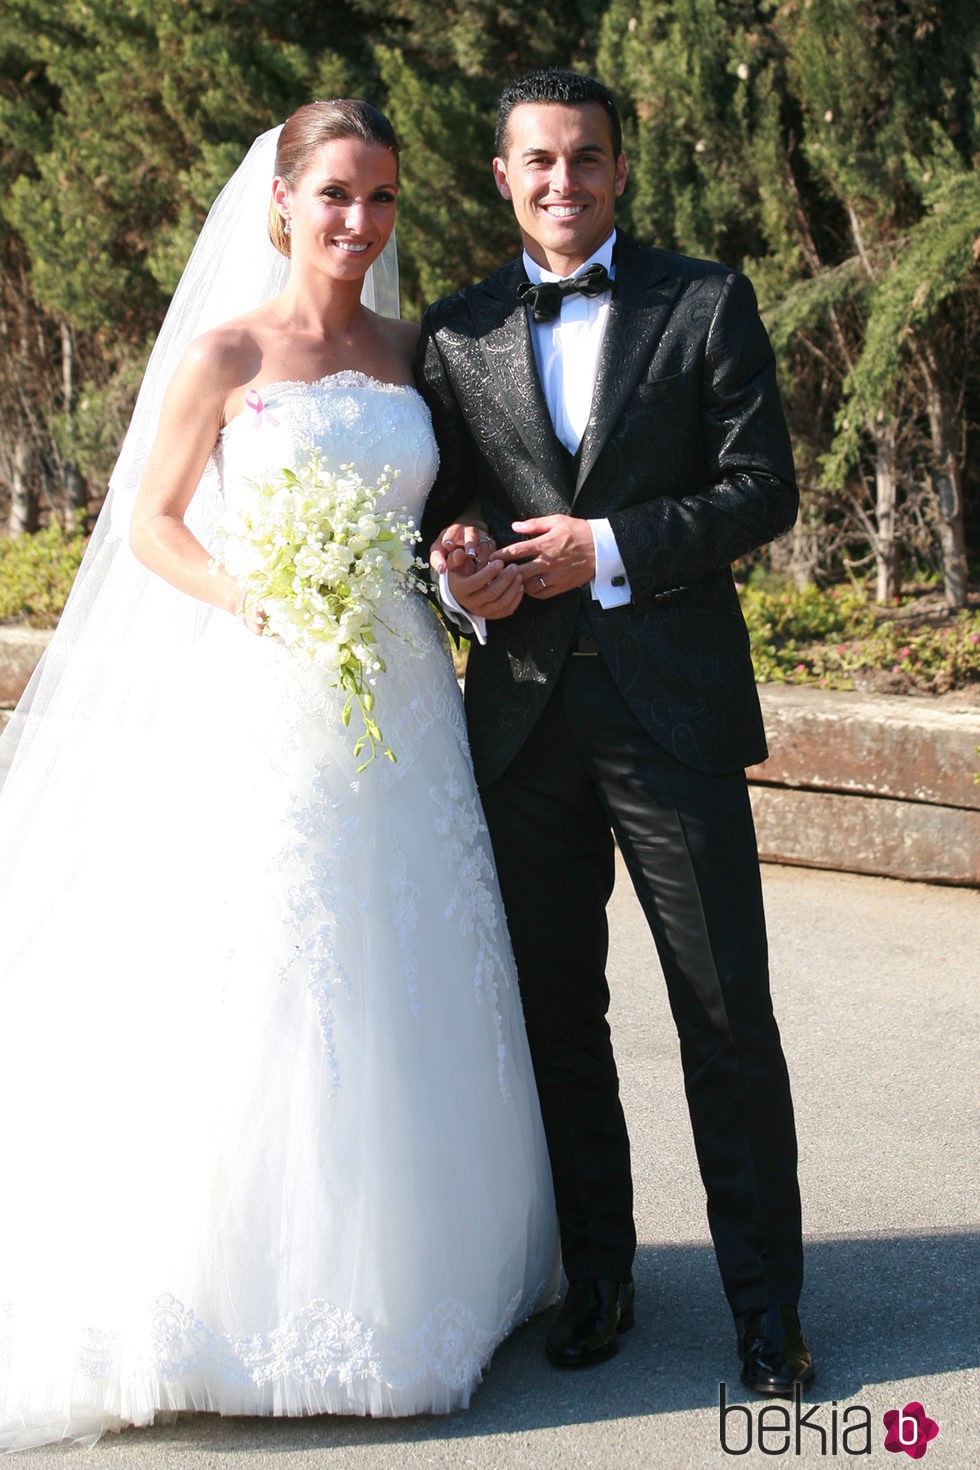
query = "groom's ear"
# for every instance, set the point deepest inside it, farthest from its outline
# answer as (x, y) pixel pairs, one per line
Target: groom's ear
(500, 179)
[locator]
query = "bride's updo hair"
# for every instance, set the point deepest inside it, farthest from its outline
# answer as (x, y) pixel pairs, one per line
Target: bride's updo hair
(320, 122)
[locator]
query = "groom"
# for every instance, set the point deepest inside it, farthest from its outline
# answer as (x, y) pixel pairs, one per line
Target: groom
(625, 442)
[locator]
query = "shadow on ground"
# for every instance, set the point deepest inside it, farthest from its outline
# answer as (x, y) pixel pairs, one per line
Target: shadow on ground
(876, 1310)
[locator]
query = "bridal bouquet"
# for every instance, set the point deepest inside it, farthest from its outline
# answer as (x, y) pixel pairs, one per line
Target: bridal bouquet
(314, 549)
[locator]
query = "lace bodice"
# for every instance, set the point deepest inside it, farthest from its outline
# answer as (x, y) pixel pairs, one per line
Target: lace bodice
(347, 418)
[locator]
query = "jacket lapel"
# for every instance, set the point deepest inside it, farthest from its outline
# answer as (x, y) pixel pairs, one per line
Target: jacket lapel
(639, 311)
(505, 340)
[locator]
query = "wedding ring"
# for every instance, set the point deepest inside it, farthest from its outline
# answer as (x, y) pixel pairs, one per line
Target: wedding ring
(485, 540)
(543, 583)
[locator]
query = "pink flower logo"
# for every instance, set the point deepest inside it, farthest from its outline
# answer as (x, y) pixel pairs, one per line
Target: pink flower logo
(909, 1429)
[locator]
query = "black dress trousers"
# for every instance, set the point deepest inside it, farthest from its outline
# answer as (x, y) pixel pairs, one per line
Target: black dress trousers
(587, 771)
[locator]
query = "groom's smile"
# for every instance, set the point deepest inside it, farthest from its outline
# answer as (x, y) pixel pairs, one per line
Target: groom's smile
(560, 173)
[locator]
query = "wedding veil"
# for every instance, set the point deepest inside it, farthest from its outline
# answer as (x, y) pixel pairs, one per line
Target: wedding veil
(117, 608)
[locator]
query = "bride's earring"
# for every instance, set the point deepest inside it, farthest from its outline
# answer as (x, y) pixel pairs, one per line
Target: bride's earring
(287, 226)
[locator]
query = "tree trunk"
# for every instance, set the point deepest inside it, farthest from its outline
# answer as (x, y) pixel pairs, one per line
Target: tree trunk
(885, 439)
(802, 554)
(947, 478)
(23, 500)
(886, 504)
(75, 498)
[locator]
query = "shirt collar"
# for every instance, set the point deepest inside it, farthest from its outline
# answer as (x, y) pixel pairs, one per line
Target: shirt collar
(603, 256)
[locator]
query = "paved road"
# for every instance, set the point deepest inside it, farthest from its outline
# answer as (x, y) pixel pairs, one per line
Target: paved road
(874, 984)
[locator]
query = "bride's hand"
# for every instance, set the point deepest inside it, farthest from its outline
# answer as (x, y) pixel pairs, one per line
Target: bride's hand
(252, 615)
(471, 536)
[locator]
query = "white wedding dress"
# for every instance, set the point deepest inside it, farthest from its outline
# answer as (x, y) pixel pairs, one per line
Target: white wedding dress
(270, 1139)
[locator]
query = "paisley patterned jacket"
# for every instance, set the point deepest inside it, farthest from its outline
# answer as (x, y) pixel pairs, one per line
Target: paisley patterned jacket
(686, 452)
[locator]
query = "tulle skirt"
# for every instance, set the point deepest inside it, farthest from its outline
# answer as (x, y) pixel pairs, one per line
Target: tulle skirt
(270, 1138)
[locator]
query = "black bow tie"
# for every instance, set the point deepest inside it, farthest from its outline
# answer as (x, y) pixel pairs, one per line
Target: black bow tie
(545, 300)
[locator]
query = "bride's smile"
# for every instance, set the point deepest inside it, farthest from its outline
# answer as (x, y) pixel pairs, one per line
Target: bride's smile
(342, 210)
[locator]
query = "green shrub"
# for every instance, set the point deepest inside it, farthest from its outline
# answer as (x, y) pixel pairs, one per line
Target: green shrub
(36, 573)
(840, 639)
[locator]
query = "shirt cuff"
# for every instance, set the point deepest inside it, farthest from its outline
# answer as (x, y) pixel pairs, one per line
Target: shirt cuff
(466, 620)
(610, 585)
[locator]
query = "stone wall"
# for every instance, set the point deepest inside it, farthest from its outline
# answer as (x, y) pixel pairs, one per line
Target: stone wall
(20, 649)
(861, 783)
(871, 784)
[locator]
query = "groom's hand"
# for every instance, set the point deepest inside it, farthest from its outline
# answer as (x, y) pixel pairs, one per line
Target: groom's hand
(556, 554)
(490, 591)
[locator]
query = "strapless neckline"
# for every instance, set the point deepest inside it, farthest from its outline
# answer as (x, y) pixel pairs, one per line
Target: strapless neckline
(344, 378)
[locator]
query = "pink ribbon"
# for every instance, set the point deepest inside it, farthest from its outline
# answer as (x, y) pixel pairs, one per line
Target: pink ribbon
(254, 402)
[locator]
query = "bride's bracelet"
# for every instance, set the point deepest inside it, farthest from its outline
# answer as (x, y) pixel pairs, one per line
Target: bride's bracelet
(261, 623)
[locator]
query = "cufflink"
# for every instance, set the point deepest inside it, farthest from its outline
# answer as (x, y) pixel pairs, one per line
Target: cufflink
(619, 581)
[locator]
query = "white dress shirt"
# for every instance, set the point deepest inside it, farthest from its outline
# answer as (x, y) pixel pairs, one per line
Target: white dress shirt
(566, 352)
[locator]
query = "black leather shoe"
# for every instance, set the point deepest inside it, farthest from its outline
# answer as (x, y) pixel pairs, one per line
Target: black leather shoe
(775, 1357)
(592, 1316)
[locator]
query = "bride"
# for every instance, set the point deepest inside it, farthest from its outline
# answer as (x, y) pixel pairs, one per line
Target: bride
(270, 1135)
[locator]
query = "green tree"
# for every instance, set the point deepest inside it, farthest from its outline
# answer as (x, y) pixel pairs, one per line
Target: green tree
(442, 66)
(829, 149)
(483, 40)
(29, 339)
(887, 93)
(120, 123)
(705, 97)
(701, 85)
(908, 320)
(452, 224)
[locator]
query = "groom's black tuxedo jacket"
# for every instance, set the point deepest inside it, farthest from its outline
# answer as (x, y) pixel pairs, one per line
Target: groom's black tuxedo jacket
(687, 454)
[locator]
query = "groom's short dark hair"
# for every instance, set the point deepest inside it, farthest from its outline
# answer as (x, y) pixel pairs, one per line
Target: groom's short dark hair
(551, 84)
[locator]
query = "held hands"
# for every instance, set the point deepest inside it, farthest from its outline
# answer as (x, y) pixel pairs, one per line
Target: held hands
(556, 554)
(478, 579)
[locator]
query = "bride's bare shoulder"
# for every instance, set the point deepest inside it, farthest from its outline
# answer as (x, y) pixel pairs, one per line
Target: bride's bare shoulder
(400, 339)
(401, 333)
(229, 354)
